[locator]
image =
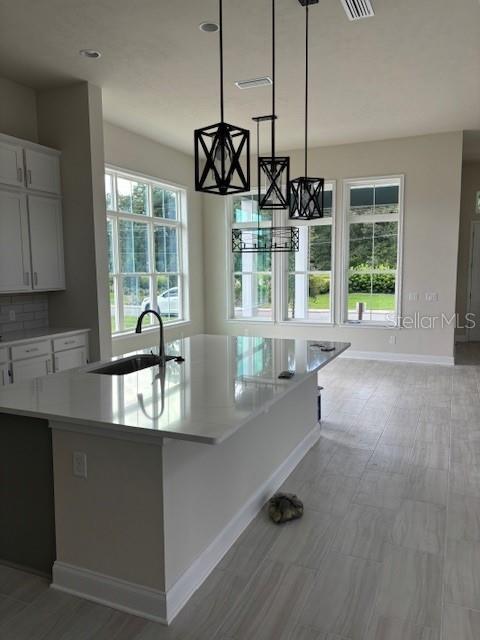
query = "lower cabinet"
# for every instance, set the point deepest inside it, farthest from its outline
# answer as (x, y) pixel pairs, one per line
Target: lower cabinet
(5, 375)
(32, 368)
(65, 360)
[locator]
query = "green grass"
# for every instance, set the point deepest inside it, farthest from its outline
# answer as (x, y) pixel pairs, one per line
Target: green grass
(373, 301)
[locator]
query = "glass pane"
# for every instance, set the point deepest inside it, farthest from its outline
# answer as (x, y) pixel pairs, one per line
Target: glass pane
(387, 199)
(170, 205)
(133, 246)
(111, 262)
(361, 244)
(109, 191)
(168, 297)
(327, 203)
(157, 202)
(166, 249)
(132, 196)
(253, 296)
(321, 248)
(136, 295)
(113, 303)
(373, 199)
(245, 209)
(385, 245)
(362, 200)
(319, 297)
(252, 262)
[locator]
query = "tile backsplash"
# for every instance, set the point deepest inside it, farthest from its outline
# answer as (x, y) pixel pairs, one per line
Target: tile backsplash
(30, 309)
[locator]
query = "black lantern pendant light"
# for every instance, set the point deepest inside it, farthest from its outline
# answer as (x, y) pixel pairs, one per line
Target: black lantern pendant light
(220, 167)
(263, 239)
(273, 171)
(306, 194)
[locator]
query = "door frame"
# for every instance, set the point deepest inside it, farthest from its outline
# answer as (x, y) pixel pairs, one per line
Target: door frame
(470, 267)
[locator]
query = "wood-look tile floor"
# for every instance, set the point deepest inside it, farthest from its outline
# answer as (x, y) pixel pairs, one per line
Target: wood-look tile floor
(388, 548)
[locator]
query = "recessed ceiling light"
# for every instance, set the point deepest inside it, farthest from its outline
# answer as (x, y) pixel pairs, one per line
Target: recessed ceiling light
(208, 27)
(93, 54)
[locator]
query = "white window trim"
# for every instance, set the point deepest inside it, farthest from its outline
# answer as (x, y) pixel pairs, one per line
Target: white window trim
(347, 183)
(181, 226)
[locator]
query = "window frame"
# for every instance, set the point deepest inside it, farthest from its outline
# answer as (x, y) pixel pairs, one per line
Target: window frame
(345, 249)
(181, 226)
(279, 265)
(331, 222)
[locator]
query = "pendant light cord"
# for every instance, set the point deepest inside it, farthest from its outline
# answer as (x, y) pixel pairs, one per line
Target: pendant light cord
(221, 60)
(258, 194)
(306, 90)
(273, 80)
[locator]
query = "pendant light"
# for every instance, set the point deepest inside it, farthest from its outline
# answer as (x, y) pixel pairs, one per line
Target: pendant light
(306, 194)
(264, 239)
(220, 167)
(273, 171)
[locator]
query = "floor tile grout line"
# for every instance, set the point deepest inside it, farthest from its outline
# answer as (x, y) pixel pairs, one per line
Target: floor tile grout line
(445, 537)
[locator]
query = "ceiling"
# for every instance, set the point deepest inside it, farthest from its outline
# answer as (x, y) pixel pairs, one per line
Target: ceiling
(414, 68)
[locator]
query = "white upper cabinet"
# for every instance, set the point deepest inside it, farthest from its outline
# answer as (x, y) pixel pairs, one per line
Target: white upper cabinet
(11, 164)
(42, 171)
(46, 240)
(14, 243)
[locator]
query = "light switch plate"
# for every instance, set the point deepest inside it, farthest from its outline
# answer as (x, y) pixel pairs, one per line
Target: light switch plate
(80, 464)
(12, 315)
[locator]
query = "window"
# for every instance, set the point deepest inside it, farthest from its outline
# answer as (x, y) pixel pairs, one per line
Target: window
(145, 233)
(310, 281)
(373, 214)
(251, 283)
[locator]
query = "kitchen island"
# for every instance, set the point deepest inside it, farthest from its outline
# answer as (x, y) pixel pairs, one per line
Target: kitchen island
(158, 471)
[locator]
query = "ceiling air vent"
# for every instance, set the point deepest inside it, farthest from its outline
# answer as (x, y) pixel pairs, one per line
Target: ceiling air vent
(255, 82)
(358, 9)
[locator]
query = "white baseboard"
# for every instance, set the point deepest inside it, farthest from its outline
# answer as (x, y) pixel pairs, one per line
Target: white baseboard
(112, 592)
(158, 605)
(398, 357)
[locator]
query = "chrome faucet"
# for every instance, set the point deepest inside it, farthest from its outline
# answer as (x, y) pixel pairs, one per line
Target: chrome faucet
(161, 350)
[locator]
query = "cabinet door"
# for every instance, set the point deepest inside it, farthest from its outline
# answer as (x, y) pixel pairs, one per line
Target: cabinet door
(14, 245)
(33, 368)
(11, 164)
(43, 171)
(46, 240)
(5, 375)
(70, 359)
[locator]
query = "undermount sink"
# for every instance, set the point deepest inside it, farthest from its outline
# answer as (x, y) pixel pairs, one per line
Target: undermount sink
(130, 365)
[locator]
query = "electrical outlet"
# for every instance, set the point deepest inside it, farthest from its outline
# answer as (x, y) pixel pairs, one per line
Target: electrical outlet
(12, 315)
(80, 464)
(431, 297)
(413, 297)
(392, 340)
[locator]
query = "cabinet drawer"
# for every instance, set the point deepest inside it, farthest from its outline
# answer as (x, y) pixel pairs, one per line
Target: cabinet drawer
(70, 342)
(30, 350)
(4, 355)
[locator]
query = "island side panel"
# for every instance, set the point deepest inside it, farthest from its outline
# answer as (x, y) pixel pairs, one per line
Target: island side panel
(206, 486)
(110, 523)
(27, 523)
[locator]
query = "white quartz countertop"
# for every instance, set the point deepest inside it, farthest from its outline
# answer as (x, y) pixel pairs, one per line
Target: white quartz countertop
(224, 382)
(31, 335)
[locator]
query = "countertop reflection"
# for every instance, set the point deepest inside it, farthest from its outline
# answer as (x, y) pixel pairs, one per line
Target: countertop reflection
(224, 382)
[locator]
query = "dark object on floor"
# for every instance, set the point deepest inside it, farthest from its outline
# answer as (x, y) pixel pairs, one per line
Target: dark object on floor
(284, 507)
(319, 403)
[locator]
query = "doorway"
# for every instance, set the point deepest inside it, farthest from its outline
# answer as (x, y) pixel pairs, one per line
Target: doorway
(473, 299)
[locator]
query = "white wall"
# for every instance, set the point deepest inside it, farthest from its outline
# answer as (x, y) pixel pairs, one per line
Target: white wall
(18, 110)
(470, 185)
(132, 152)
(70, 119)
(432, 168)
